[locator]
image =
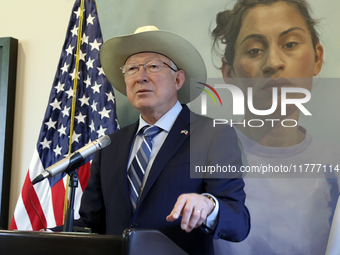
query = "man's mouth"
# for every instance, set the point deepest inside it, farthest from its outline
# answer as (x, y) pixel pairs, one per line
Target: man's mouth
(141, 91)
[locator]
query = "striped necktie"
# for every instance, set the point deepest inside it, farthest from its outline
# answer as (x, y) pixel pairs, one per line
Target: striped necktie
(139, 163)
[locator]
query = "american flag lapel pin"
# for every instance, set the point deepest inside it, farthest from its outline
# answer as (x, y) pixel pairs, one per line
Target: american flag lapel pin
(185, 132)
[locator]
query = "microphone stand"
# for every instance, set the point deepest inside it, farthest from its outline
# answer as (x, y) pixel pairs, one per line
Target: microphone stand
(73, 184)
(69, 216)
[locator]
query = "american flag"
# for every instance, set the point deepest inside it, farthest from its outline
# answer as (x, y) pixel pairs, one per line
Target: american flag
(80, 86)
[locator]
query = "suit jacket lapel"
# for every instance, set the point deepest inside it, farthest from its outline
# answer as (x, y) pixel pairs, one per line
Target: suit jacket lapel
(124, 143)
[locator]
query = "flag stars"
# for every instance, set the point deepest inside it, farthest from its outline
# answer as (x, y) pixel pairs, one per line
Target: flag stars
(95, 45)
(91, 126)
(55, 104)
(73, 74)
(96, 88)
(85, 39)
(94, 106)
(90, 19)
(101, 131)
(101, 71)
(59, 87)
(89, 63)
(80, 118)
(75, 137)
(110, 97)
(69, 50)
(45, 143)
(78, 12)
(81, 55)
(62, 130)
(74, 31)
(118, 127)
(64, 69)
(84, 100)
(104, 113)
(66, 111)
(50, 124)
(88, 81)
(57, 150)
(69, 93)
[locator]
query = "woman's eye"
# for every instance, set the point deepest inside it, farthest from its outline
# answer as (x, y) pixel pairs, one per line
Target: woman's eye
(254, 52)
(290, 45)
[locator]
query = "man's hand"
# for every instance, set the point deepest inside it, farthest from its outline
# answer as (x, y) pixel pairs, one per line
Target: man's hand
(193, 208)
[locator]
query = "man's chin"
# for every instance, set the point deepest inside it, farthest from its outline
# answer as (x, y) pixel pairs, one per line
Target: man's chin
(144, 106)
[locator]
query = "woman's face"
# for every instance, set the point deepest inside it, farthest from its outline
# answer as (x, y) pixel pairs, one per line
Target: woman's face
(274, 42)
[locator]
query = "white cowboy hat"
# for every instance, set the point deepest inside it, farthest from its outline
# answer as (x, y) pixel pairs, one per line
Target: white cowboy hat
(116, 50)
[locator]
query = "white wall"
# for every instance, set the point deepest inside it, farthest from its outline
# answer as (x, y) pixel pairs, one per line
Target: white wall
(40, 26)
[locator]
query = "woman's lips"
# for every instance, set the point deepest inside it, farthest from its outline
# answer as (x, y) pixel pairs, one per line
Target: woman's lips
(276, 83)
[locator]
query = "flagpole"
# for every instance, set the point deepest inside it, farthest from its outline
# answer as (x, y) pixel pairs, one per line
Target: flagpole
(74, 100)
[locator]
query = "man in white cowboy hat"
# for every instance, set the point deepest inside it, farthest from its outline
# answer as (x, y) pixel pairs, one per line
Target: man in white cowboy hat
(142, 180)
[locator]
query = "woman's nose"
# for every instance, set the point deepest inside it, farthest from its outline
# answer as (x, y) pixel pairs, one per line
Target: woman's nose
(274, 62)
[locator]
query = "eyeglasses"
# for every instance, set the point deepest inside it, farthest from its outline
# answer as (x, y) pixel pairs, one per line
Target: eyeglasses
(153, 66)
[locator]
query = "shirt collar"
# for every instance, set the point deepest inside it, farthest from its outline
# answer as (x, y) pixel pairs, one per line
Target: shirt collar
(166, 121)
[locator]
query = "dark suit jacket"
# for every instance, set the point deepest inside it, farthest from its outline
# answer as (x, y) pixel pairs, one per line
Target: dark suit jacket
(105, 205)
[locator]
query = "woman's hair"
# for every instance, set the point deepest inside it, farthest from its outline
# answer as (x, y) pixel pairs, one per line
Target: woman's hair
(229, 23)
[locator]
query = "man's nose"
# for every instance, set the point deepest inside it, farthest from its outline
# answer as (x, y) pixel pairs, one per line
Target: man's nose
(142, 76)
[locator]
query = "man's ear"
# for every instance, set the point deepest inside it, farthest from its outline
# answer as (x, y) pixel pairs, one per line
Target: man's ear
(318, 59)
(180, 78)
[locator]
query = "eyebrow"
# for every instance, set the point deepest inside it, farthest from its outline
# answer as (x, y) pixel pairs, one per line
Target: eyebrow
(263, 38)
(290, 30)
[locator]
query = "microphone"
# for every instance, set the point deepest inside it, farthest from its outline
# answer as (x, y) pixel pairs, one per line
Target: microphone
(74, 160)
